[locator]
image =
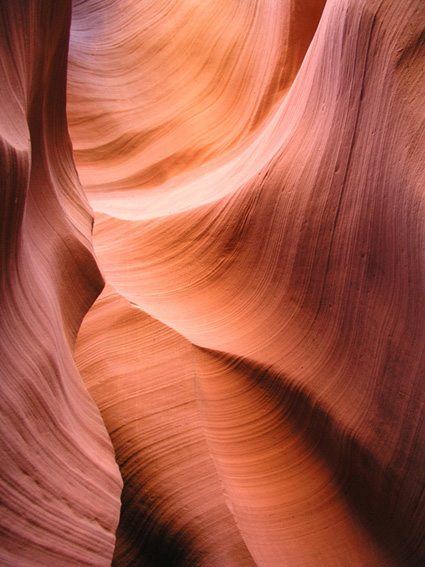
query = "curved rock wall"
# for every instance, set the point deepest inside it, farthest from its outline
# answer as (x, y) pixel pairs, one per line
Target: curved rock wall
(59, 483)
(256, 172)
(186, 82)
(141, 374)
(292, 261)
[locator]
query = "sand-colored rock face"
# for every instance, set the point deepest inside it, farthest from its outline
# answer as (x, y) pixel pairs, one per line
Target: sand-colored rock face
(256, 172)
(59, 483)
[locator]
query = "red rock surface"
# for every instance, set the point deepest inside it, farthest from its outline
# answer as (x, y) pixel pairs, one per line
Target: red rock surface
(256, 172)
(175, 511)
(59, 483)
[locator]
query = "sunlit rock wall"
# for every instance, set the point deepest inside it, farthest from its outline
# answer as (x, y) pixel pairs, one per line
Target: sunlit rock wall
(256, 172)
(268, 207)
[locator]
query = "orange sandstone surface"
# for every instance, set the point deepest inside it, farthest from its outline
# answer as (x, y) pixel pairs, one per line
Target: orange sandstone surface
(248, 388)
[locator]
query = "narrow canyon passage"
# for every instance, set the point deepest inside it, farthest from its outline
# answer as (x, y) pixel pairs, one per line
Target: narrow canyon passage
(254, 171)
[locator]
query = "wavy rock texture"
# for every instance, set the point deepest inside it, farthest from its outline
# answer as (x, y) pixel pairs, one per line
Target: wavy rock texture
(269, 208)
(141, 373)
(59, 484)
(186, 83)
(256, 169)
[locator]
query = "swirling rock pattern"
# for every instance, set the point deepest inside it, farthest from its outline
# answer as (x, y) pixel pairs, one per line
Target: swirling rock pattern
(59, 483)
(295, 268)
(174, 512)
(256, 171)
(187, 82)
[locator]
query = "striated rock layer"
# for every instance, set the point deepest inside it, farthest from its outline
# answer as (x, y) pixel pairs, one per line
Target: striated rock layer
(256, 171)
(289, 254)
(160, 93)
(141, 374)
(59, 484)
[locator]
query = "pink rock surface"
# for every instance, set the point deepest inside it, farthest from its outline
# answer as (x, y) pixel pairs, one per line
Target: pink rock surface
(59, 483)
(256, 172)
(297, 271)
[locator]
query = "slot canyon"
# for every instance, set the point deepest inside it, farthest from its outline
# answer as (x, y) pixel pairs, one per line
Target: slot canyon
(212, 252)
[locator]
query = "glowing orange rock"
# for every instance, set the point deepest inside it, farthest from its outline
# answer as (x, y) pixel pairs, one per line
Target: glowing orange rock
(257, 178)
(303, 260)
(141, 375)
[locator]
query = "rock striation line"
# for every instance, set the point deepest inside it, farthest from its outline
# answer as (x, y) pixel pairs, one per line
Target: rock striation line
(59, 483)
